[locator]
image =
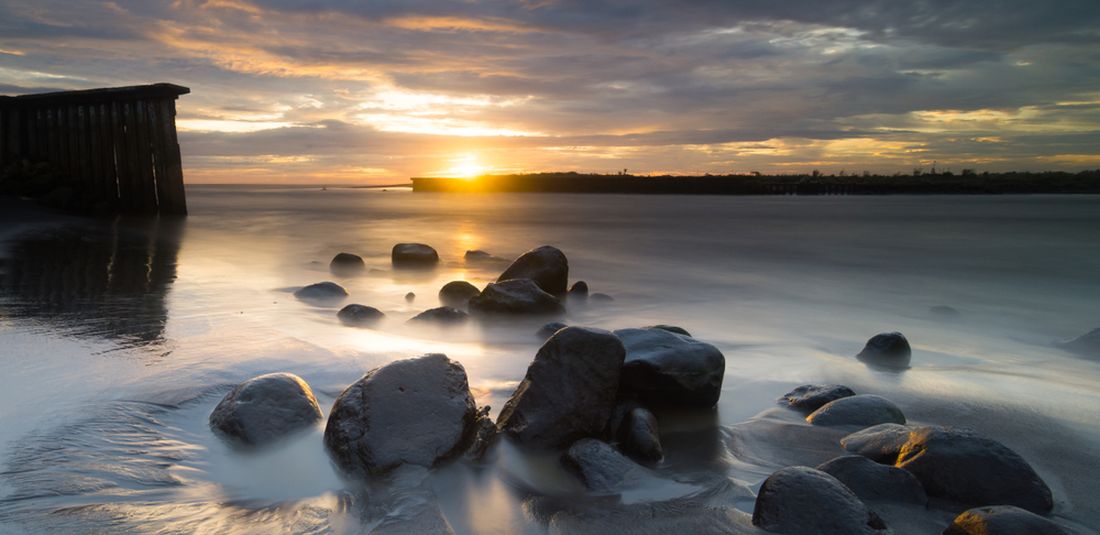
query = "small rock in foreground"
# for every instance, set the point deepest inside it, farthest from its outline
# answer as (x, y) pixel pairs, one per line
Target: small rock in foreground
(799, 499)
(887, 350)
(809, 398)
(444, 316)
(322, 291)
(874, 481)
(603, 469)
(1002, 520)
(360, 315)
(863, 410)
(457, 293)
(515, 297)
(639, 436)
(265, 409)
(413, 255)
(881, 443)
(347, 264)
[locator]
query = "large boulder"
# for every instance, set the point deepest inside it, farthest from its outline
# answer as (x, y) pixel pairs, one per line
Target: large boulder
(881, 443)
(1002, 520)
(874, 481)
(887, 350)
(862, 410)
(799, 499)
(443, 316)
(457, 293)
(514, 297)
(965, 467)
(360, 315)
(322, 291)
(347, 264)
(809, 398)
(265, 409)
(663, 368)
(603, 469)
(546, 266)
(416, 411)
(569, 390)
(413, 255)
(1087, 344)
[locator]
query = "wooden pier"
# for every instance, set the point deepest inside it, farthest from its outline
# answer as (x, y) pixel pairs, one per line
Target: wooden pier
(119, 144)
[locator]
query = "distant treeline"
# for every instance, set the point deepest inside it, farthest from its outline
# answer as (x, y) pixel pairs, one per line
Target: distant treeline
(968, 182)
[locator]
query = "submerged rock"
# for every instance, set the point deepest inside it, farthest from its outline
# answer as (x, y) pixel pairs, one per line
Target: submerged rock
(799, 499)
(965, 467)
(669, 328)
(445, 316)
(603, 469)
(1087, 344)
(410, 297)
(322, 291)
(809, 398)
(346, 264)
(265, 409)
(413, 255)
(888, 350)
(639, 436)
(514, 297)
(873, 481)
(546, 266)
(360, 315)
(863, 410)
(1002, 520)
(569, 390)
(457, 293)
(477, 255)
(548, 330)
(416, 411)
(881, 443)
(663, 368)
(579, 291)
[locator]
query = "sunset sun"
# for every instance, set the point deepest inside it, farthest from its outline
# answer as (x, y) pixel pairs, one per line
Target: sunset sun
(466, 166)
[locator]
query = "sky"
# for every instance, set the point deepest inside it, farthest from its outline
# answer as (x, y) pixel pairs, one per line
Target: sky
(374, 92)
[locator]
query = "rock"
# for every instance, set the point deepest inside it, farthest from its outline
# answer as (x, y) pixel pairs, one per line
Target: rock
(546, 266)
(423, 519)
(413, 255)
(669, 328)
(265, 409)
(360, 315)
(416, 411)
(888, 350)
(965, 467)
(799, 499)
(579, 291)
(457, 293)
(862, 410)
(569, 389)
(346, 264)
(514, 297)
(600, 298)
(943, 312)
(548, 330)
(1002, 520)
(1087, 344)
(873, 481)
(447, 316)
(668, 369)
(477, 255)
(603, 469)
(881, 443)
(322, 291)
(484, 435)
(809, 398)
(410, 297)
(639, 436)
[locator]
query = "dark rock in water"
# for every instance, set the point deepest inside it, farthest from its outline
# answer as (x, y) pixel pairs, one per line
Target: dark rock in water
(424, 519)
(873, 481)
(799, 499)
(264, 409)
(360, 315)
(579, 291)
(413, 255)
(446, 316)
(569, 389)
(346, 264)
(600, 298)
(416, 411)
(809, 398)
(322, 291)
(881, 443)
(515, 297)
(968, 468)
(546, 266)
(1087, 344)
(669, 328)
(457, 293)
(409, 297)
(888, 350)
(668, 369)
(603, 469)
(484, 435)
(548, 330)
(944, 312)
(863, 410)
(1002, 520)
(639, 436)
(477, 255)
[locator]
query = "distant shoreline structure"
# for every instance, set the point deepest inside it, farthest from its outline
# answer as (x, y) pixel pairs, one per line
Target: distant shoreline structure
(968, 183)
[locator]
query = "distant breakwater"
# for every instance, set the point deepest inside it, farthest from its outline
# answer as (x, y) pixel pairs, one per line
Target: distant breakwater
(1085, 182)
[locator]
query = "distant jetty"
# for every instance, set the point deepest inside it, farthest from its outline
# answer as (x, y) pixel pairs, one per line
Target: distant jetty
(812, 184)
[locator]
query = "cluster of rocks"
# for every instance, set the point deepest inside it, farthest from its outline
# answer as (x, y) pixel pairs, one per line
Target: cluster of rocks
(889, 461)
